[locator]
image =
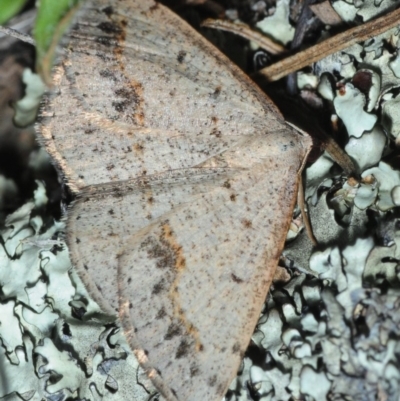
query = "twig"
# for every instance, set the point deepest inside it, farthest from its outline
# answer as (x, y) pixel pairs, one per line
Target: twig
(330, 46)
(338, 155)
(306, 219)
(16, 34)
(246, 32)
(326, 13)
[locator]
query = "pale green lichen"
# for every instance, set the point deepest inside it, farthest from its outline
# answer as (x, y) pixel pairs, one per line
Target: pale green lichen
(45, 350)
(26, 108)
(349, 105)
(277, 25)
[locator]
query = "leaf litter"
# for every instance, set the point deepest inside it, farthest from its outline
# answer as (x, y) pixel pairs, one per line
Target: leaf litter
(330, 332)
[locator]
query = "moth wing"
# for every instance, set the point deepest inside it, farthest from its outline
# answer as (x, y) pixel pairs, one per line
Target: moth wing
(192, 279)
(103, 218)
(186, 175)
(140, 92)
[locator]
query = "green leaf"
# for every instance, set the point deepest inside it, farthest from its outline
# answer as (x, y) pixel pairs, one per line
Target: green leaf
(53, 19)
(9, 8)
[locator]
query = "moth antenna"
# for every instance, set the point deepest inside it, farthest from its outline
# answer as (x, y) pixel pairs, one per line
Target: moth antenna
(246, 32)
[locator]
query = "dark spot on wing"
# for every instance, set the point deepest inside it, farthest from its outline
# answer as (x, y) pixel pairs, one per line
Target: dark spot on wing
(216, 132)
(173, 330)
(106, 73)
(129, 101)
(221, 389)
(216, 92)
(108, 11)
(119, 106)
(77, 240)
(156, 250)
(181, 56)
(212, 380)
(227, 184)
(117, 193)
(236, 279)
(106, 41)
(160, 286)
(126, 94)
(165, 249)
(111, 212)
(183, 348)
(138, 147)
(247, 223)
(236, 348)
(161, 313)
(109, 27)
(104, 57)
(194, 370)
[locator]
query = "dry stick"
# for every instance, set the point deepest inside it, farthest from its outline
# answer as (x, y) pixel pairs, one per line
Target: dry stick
(312, 54)
(330, 46)
(338, 154)
(16, 34)
(246, 32)
(306, 218)
(326, 13)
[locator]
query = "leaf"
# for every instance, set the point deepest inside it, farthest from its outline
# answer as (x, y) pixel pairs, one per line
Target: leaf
(10, 8)
(52, 20)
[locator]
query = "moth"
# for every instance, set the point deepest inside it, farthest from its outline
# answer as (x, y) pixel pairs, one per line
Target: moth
(185, 176)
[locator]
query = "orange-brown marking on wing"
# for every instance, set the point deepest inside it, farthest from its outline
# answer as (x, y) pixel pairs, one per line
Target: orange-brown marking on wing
(168, 238)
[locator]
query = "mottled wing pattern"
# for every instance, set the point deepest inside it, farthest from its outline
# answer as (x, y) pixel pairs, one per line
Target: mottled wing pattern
(207, 269)
(186, 177)
(135, 84)
(194, 258)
